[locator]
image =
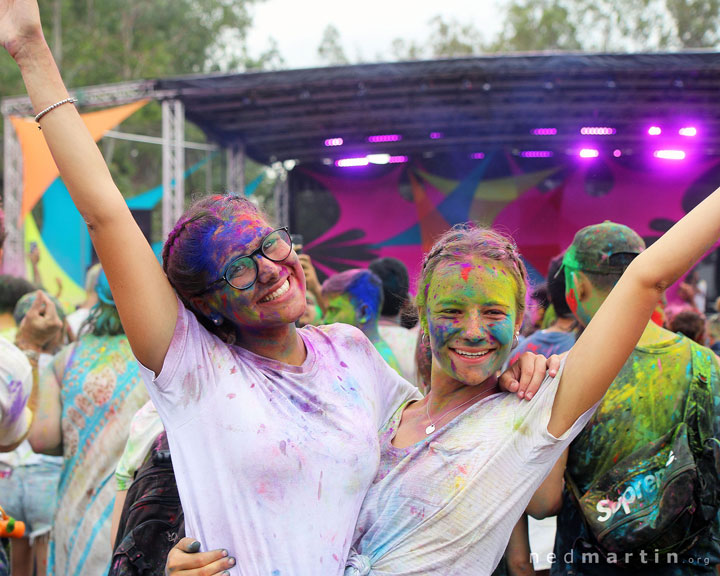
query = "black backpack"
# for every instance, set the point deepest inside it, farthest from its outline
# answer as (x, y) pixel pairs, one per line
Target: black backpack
(664, 497)
(152, 520)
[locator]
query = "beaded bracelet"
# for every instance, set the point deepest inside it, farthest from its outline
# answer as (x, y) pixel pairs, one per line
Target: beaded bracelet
(52, 107)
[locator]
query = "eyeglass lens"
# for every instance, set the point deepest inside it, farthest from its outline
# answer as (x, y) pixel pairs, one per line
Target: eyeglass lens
(276, 246)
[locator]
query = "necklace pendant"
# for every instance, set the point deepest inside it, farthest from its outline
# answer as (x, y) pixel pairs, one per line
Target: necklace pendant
(430, 429)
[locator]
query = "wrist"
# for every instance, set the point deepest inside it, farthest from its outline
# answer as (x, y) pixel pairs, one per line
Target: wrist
(30, 51)
(27, 346)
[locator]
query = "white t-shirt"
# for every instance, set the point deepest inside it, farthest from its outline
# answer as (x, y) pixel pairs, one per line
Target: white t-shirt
(447, 505)
(273, 461)
(16, 383)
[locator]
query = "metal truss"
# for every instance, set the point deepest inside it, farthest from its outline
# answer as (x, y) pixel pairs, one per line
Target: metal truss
(173, 157)
(236, 169)
(14, 253)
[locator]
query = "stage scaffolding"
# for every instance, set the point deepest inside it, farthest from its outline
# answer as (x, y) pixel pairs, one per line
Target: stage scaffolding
(173, 157)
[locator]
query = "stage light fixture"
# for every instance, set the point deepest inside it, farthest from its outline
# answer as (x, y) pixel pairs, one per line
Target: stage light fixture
(436, 135)
(384, 138)
(654, 130)
(378, 158)
(688, 131)
(334, 142)
(544, 131)
(398, 159)
(351, 162)
(589, 153)
(669, 154)
(597, 130)
(477, 155)
(617, 153)
(537, 154)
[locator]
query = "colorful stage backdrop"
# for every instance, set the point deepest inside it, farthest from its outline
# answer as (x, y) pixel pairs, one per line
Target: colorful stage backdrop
(349, 216)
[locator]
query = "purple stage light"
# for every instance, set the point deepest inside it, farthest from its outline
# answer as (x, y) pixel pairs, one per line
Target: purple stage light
(477, 155)
(589, 153)
(384, 138)
(597, 130)
(334, 142)
(669, 154)
(398, 159)
(545, 131)
(350, 162)
(617, 153)
(436, 135)
(688, 131)
(536, 154)
(654, 130)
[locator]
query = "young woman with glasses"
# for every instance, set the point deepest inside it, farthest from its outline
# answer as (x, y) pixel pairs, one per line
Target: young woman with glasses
(273, 431)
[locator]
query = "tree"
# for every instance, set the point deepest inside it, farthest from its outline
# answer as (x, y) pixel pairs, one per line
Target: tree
(609, 25)
(446, 39)
(536, 25)
(330, 50)
(112, 41)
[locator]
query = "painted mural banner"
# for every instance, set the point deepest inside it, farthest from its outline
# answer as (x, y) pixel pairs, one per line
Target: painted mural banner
(349, 216)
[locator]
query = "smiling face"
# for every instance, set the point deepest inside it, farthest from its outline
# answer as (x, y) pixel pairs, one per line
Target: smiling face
(278, 295)
(471, 317)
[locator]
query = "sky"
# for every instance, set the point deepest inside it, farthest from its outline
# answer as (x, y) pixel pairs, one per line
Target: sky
(366, 28)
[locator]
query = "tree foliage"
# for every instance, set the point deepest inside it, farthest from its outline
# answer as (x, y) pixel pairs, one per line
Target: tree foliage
(330, 51)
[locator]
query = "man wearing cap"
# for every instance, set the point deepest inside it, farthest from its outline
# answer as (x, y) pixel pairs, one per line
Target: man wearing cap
(646, 400)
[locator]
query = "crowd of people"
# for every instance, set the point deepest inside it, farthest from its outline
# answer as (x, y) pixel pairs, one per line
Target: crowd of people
(226, 412)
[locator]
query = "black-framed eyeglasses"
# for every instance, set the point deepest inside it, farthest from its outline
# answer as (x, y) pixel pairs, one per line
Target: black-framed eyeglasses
(242, 272)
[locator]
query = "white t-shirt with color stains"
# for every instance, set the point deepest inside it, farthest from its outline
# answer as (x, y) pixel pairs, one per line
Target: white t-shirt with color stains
(273, 461)
(446, 505)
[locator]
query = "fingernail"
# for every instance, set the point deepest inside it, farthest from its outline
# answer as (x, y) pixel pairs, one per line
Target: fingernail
(194, 547)
(225, 573)
(521, 394)
(231, 561)
(225, 552)
(529, 395)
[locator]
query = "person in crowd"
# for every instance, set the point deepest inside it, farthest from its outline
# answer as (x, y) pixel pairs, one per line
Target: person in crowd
(29, 482)
(693, 291)
(313, 314)
(561, 335)
(402, 341)
(690, 323)
(536, 312)
(76, 319)
(713, 327)
(273, 431)
(12, 288)
(87, 398)
(645, 401)
(355, 297)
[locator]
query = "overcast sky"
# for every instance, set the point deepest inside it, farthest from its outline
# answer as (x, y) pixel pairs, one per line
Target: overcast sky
(367, 28)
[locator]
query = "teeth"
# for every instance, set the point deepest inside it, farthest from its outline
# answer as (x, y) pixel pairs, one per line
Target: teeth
(279, 292)
(471, 354)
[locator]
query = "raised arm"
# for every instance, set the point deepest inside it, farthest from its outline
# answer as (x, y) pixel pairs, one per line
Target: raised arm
(607, 342)
(145, 300)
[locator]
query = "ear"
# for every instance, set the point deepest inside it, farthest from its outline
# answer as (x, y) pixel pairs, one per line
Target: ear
(362, 314)
(202, 306)
(583, 287)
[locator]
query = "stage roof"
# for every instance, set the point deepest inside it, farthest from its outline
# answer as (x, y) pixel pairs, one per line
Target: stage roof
(469, 103)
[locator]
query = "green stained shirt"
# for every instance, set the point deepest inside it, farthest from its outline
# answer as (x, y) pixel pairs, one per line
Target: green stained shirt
(645, 401)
